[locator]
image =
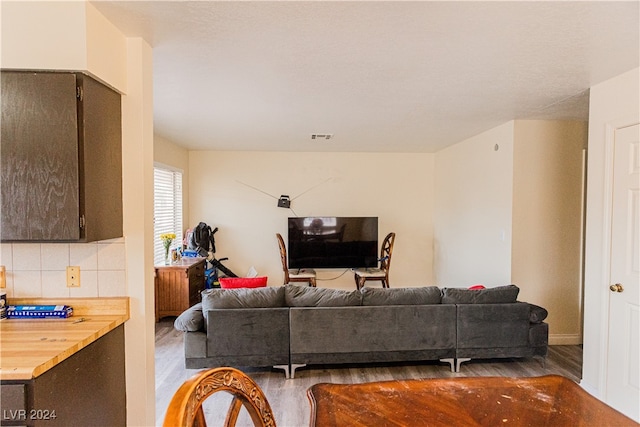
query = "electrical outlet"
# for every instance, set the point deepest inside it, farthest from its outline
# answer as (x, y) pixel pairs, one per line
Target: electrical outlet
(3, 276)
(73, 277)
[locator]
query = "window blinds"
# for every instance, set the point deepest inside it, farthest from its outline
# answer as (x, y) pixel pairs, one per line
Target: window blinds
(167, 209)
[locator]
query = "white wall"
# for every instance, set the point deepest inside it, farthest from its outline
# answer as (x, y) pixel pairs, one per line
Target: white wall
(74, 36)
(547, 220)
(472, 212)
(613, 103)
(397, 188)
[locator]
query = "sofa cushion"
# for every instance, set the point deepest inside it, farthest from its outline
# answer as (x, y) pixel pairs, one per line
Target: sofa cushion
(304, 296)
(401, 296)
(243, 282)
(268, 297)
(190, 320)
(537, 314)
(497, 295)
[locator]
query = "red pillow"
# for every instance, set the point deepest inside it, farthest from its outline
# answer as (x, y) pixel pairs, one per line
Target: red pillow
(477, 287)
(243, 282)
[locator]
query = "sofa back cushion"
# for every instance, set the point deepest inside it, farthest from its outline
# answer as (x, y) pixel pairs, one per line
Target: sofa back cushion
(268, 297)
(304, 296)
(497, 295)
(401, 296)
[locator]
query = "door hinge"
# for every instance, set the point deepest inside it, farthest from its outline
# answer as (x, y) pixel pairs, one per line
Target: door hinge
(79, 92)
(82, 222)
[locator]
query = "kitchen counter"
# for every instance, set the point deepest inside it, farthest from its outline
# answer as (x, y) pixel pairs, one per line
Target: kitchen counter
(62, 372)
(30, 347)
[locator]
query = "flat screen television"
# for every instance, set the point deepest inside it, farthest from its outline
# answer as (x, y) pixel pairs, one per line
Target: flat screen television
(332, 242)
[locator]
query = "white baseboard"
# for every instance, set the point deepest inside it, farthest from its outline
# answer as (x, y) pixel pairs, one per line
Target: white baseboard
(593, 391)
(565, 339)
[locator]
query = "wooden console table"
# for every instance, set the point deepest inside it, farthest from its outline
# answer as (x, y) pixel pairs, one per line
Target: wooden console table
(479, 401)
(178, 286)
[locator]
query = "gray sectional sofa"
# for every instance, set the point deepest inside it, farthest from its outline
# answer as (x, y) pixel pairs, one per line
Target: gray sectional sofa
(291, 326)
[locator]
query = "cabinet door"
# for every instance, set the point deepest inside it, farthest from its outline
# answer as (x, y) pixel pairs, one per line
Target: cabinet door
(172, 291)
(196, 283)
(39, 161)
(101, 149)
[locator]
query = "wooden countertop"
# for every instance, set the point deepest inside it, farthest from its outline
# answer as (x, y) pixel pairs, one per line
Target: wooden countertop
(30, 347)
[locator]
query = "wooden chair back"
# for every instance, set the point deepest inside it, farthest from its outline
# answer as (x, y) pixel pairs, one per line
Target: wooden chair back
(283, 258)
(385, 252)
(381, 273)
(185, 408)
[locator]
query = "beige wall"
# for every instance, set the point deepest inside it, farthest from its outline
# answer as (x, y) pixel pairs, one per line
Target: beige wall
(547, 221)
(137, 195)
(613, 103)
(56, 35)
(397, 188)
(74, 36)
(169, 154)
(513, 215)
(106, 50)
(472, 214)
(33, 34)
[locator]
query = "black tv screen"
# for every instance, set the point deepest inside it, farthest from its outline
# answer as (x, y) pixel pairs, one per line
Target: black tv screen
(333, 242)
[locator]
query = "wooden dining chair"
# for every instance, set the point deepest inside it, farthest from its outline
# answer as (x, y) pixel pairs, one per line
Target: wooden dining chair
(185, 408)
(306, 275)
(361, 275)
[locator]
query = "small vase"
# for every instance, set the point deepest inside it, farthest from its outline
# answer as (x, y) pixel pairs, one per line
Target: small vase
(166, 257)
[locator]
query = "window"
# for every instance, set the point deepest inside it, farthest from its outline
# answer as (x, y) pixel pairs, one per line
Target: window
(167, 209)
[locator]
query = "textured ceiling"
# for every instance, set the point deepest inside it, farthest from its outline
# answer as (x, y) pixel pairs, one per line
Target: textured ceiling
(380, 76)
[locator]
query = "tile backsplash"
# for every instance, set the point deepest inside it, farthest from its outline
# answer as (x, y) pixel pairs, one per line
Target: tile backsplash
(40, 269)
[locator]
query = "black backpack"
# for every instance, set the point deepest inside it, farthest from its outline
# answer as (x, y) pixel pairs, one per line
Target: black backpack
(202, 239)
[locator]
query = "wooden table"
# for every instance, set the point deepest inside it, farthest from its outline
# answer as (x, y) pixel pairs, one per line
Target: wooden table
(480, 401)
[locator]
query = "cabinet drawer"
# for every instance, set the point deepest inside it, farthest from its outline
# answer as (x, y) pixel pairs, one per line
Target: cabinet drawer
(13, 398)
(196, 271)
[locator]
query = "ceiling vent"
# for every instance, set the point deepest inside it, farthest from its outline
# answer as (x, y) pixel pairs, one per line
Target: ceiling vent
(321, 135)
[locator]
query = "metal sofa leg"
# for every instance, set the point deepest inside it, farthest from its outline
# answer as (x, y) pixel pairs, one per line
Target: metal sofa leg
(283, 367)
(459, 361)
(451, 361)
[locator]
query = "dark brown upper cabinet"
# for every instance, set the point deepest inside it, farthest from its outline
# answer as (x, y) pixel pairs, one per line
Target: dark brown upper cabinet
(60, 158)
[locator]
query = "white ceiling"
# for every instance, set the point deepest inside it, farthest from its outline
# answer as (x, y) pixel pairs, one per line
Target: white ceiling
(381, 76)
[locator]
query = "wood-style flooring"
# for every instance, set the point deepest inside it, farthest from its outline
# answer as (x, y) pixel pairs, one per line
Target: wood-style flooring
(288, 398)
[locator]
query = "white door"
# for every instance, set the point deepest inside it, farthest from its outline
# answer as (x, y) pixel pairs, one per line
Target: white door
(623, 359)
